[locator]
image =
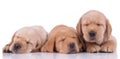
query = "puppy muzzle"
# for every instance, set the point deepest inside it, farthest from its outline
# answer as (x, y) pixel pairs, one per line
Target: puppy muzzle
(92, 33)
(16, 46)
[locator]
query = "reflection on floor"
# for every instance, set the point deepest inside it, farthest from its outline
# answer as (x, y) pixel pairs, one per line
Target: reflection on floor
(60, 56)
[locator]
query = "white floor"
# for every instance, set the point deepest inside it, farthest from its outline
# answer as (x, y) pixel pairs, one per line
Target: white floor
(61, 56)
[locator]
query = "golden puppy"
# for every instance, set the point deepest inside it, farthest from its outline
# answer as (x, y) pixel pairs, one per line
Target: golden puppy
(62, 39)
(27, 39)
(96, 32)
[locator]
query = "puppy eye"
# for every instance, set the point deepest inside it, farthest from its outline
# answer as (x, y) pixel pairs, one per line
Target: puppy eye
(98, 24)
(62, 40)
(28, 42)
(73, 37)
(86, 24)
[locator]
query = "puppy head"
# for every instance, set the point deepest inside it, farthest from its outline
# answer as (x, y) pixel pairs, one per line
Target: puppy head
(62, 39)
(21, 43)
(67, 43)
(94, 27)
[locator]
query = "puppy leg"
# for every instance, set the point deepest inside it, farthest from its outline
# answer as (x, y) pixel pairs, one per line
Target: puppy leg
(109, 45)
(92, 47)
(49, 45)
(80, 47)
(37, 49)
(6, 48)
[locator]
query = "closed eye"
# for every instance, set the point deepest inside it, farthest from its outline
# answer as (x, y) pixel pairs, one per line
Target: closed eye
(86, 24)
(29, 42)
(99, 24)
(74, 37)
(62, 40)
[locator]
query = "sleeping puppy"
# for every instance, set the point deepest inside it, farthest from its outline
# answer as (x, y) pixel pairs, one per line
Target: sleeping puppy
(62, 39)
(96, 32)
(27, 39)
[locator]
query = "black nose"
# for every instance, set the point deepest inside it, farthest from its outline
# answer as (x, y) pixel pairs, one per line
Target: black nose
(71, 45)
(92, 33)
(17, 46)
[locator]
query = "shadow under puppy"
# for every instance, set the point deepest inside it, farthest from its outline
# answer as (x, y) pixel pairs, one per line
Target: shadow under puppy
(96, 30)
(62, 39)
(27, 39)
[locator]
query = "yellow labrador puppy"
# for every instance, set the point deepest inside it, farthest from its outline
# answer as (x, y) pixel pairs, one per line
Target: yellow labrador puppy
(62, 39)
(27, 39)
(96, 30)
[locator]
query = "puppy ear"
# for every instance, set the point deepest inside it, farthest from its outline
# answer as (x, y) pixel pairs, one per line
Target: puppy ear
(49, 45)
(80, 34)
(108, 30)
(79, 28)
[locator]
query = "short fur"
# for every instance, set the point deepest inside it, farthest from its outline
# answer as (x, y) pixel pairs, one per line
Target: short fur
(60, 39)
(96, 21)
(27, 39)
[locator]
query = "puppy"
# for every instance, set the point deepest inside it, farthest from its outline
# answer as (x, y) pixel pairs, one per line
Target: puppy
(27, 39)
(62, 39)
(96, 32)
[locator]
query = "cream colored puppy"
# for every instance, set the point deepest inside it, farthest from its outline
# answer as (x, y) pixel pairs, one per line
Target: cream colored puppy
(96, 30)
(27, 39)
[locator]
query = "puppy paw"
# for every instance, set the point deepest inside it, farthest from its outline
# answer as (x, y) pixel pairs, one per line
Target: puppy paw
(6, 49)
(46, 49)
(107, 48)
(93, 48)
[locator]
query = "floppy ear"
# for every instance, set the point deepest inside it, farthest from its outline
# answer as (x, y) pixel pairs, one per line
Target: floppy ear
(79, 28)
(108, 30)
(80, 34)
(49, 45)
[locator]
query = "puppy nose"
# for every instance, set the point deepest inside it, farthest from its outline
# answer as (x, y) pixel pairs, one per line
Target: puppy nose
(71, 45)
(17, 46)
(92, 33)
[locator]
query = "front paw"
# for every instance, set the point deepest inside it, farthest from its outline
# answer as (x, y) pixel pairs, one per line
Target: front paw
(46, 49)
(92, 48)
(107, 48)
(6, 49)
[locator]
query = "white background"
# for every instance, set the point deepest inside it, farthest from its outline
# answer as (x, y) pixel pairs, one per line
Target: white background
(15, 14)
